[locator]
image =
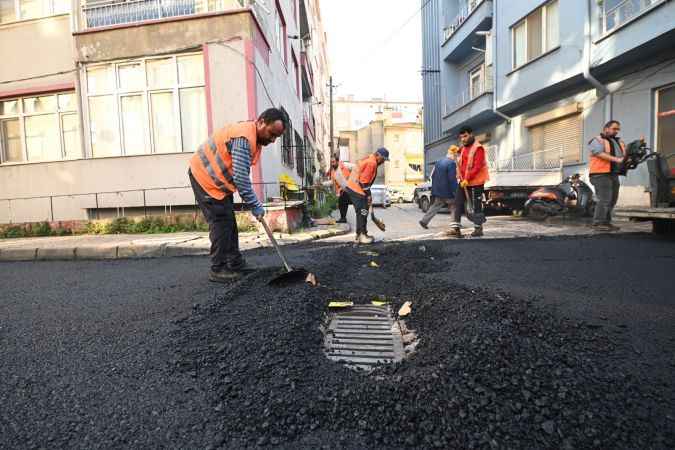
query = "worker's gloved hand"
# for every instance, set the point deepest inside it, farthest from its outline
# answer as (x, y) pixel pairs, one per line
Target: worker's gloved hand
(463, 184)
(258, 212)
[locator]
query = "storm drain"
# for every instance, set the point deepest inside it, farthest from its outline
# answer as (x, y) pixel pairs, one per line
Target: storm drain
(364, 336)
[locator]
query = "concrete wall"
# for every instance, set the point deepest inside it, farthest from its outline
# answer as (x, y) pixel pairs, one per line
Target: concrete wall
(405, 145)
(35, 48)
(64, 178)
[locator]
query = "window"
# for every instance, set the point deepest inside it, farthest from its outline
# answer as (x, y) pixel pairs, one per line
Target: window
(287, 144)
(476, 85)
(296, 73)
(154, 105)
(299, 156)
(535, 35)
(40, 128)
(665, 123)
(15, 10)
(617, 12)
(280, 35)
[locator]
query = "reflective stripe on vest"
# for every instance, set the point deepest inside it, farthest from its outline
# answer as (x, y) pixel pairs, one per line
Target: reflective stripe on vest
(340, 176)
(210, 171)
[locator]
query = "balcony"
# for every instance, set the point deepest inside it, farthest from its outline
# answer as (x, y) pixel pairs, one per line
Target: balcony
(617, 14)
(307, 77)
(470, 107)
(459, 37)
(97, 14)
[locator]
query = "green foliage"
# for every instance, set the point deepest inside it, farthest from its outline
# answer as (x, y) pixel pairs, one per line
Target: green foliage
(330, 204)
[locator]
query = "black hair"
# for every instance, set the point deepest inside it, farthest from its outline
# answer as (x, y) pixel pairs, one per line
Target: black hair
(612, 122)
(271, 115)
(465, 130)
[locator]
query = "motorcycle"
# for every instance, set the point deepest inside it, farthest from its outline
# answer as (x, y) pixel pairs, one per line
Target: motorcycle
(573, 195)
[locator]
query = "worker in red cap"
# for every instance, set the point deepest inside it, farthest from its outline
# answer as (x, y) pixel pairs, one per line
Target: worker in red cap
(358, 189)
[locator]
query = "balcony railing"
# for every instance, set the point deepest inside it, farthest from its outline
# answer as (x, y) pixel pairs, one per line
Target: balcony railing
(477, 89)
(466, 8)
(624, 11)
(308, 118)
(106, 13)
(542, 160)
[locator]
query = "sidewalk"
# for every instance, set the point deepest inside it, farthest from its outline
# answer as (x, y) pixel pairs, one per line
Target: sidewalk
(124, 246)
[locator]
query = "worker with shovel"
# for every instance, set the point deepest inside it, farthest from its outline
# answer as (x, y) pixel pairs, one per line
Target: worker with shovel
(358, 189)
(339, 173)
(220, 167)
(472, 175)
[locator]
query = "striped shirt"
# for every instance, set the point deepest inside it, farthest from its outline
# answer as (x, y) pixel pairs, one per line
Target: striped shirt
(241, 165)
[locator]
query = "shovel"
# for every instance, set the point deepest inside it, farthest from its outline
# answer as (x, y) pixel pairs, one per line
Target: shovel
(292, 275)
(378, 223)
(468, 203)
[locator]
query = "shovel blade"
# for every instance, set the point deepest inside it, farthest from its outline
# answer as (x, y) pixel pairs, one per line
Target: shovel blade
(292, 277)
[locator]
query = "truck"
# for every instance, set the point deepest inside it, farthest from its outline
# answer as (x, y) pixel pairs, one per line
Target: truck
(661, 211)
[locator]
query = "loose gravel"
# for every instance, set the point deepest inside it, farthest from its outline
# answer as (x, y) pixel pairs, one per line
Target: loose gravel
(490, 370)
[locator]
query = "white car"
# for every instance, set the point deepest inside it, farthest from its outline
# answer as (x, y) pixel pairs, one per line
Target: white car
(380, 195)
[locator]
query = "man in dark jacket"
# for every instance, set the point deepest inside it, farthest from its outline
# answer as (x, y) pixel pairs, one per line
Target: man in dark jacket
(443, 185)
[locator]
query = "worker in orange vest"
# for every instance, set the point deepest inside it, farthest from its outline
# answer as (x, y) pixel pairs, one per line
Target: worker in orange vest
(339, 173)
(358, 189)
(472, 175)
(607, 156)
(220, 167)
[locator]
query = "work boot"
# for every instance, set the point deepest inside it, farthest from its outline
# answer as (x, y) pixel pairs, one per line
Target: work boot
(477, 232)
(224, 276)
(341, 220)
(454, 233)
(424, 225)
(364, 239)
(241, 267)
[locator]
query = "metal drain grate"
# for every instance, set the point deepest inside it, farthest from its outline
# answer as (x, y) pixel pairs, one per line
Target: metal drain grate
(364, 336)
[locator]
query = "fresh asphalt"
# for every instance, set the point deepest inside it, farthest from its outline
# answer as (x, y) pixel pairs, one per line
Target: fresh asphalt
(87, 358)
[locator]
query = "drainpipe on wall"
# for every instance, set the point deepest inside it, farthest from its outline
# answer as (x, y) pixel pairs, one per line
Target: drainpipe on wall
(604, 92)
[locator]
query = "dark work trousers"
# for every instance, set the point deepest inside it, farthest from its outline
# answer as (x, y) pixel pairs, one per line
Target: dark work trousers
(343, 204)
(476, 216)
(223, 233)
(435, 207)
(607, 191)
(360, 203)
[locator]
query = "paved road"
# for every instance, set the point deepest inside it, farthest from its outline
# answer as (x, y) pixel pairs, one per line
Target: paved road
(87, 359)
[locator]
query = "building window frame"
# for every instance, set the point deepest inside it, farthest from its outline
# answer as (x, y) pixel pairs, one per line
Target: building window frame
(281, 34)
(22, 116)
(50, 8)
(644, 6)
(287, 144)
(477, 78)
(547, 44)
(146, 91)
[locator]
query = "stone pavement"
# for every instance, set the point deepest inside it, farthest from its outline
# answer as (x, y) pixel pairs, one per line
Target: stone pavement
(123, 246)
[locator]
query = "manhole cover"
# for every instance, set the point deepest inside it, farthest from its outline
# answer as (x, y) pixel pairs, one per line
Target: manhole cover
(364, 336)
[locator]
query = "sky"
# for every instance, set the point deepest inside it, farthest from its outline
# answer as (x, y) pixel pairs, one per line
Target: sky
(371, 52)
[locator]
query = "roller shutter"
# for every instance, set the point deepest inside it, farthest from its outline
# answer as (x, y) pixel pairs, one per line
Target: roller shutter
(550, 137)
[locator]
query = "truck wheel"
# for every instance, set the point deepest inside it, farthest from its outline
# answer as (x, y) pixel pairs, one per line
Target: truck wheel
(663, 227)
(424, 204)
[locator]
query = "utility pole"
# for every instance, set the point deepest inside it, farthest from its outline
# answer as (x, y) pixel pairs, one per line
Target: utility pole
(331, 143)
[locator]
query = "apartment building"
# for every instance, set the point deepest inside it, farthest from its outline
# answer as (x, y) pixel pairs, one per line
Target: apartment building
(103, 102)
(403, 139)
(537, 79)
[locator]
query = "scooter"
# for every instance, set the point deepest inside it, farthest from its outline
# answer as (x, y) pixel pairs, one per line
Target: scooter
(573, 196)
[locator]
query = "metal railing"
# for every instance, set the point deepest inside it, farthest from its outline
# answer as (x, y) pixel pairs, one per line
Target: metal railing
(64, 207)
(475, 90)
(624, 11)
(115, 12)
(542, 160)
(465, 10)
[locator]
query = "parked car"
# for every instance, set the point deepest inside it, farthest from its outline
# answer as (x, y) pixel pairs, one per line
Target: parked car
(401, 194)
(380, 195)
(419, 188)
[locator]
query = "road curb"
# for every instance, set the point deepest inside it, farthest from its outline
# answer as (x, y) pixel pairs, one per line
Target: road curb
(143, 251)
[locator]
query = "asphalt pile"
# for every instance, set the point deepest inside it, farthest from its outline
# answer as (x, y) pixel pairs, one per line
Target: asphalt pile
(490, 370)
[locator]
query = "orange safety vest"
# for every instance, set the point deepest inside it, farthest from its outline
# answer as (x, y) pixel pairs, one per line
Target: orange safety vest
(600, 165)
(363, 175)
(483, 175)
(340, 177)
(211, 165)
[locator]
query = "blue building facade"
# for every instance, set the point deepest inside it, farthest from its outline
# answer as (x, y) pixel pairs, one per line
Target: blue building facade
(537, 79)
